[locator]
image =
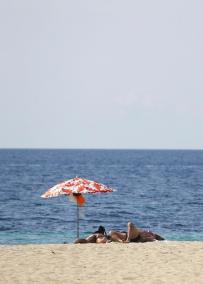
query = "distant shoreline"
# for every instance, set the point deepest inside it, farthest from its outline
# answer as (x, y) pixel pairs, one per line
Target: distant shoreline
(106, 149)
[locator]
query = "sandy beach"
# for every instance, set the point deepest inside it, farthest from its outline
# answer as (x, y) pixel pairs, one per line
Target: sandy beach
(157, 262)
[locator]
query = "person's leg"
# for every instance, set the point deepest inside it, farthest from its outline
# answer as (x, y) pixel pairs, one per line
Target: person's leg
(146, 236)
(80, 241)
(91, 239)
(133, 232)
(159, 238)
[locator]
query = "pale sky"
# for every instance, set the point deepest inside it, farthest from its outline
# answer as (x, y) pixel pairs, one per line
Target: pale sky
(101, 74)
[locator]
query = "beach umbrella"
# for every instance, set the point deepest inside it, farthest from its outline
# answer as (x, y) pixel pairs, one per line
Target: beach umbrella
(75, 188)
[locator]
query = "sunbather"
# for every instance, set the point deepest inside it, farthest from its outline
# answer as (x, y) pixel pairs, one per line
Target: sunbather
(133, 235)
(98, 237)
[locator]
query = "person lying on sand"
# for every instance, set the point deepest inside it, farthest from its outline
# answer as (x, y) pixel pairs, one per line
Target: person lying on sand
(99, 237)
(133, 235)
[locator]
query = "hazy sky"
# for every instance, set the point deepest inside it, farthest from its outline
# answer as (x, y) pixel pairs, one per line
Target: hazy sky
(101, 74)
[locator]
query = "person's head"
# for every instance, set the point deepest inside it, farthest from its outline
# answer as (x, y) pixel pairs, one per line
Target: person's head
(101, 230)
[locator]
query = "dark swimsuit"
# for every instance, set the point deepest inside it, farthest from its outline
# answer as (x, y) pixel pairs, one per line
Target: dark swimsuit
(134, 240)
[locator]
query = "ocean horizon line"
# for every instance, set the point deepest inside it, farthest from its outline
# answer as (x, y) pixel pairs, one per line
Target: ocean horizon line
(102, 149)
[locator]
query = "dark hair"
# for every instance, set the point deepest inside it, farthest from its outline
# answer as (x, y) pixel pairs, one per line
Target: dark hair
(100, 230)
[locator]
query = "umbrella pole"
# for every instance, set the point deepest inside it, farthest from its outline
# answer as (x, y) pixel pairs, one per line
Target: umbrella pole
(77, 221)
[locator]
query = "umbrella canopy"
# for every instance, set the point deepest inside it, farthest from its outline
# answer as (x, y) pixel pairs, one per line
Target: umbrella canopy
(75, 188)
(76, 185)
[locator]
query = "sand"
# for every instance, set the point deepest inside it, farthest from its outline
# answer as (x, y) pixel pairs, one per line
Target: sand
(157, 262)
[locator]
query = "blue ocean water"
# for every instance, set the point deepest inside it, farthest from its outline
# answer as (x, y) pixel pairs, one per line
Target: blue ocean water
(160, 190)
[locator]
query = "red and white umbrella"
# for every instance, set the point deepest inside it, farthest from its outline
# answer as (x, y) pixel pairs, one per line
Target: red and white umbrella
(75, 188)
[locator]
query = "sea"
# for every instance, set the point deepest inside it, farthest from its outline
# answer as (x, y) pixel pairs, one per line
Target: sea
(157, 190)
